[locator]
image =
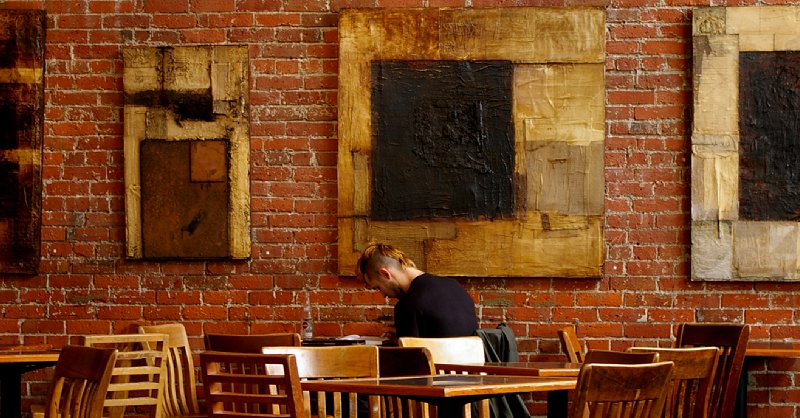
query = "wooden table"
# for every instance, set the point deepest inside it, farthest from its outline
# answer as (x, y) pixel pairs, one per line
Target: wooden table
(13, 363)
(755, 350)
(449, 392)
(557, 400)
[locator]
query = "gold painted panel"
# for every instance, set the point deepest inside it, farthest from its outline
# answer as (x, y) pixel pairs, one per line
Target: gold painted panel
(724, 246)
(558, 60)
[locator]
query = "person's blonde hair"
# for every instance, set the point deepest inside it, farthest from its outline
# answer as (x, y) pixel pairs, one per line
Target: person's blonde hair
(377, 255)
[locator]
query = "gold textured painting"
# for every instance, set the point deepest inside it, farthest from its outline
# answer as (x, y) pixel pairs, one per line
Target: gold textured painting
(745, 164)
(473, 138)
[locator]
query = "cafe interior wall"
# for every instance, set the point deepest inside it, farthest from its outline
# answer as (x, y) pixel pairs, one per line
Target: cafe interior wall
(87, 285)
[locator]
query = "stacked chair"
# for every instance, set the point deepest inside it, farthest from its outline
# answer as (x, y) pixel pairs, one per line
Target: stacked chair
(731, 339)
(707, 364)
(137, 375)
(79, 384)
(621, 390)
(335, 362)
(692, 376)
(570, 344)
(180, 385)
(252, 385)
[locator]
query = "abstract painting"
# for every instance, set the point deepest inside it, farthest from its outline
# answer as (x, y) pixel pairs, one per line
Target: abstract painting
(22, 45)
(745, 164)
(473, 139)
(187, 152)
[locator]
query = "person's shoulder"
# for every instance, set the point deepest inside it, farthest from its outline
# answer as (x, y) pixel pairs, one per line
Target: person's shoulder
(433, 280)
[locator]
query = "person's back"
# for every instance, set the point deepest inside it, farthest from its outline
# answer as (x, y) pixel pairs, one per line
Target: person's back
(428, 306)
(435, 307)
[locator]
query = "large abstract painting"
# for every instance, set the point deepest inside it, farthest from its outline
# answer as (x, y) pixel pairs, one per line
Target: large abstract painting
(187, 152)
(22, 45)
(745, 164)
(473, 139)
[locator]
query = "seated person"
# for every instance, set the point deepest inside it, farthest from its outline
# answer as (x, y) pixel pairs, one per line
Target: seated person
(427, 305)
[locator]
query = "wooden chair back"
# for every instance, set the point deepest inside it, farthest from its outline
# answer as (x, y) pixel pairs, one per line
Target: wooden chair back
(454, 350)
(80, 382)
(252, 343)
(692, 374)
(335, 362)
(620, 357)
(731, 339)
(138, 376)
(621, 390)
(570, 344)
(180, 387)
(450, 349)
(244, 384)
(404, 361)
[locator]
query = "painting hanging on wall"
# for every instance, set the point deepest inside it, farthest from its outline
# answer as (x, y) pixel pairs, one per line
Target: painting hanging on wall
(745, 165)
(22, 46)
(187, 152)
(473, 139)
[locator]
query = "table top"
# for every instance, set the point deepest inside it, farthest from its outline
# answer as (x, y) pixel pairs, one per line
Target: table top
(444, 385)
(517, 368)
(772, 349)
(21, 354)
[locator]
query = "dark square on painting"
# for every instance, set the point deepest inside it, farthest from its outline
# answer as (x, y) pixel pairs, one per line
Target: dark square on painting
(185, 199)
(443, 140)
(769, 144)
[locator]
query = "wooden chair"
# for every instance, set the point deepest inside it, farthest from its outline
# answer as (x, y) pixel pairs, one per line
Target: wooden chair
(621, 390)
(453, 350)
(250, 343)
(620, 357)
(243, 384)
(731, 339)
(692, 373)
(449, 350)
(404, 361)
(336, 362)
(80, 383)
(180, 387)
(137, 378)
(570, 344)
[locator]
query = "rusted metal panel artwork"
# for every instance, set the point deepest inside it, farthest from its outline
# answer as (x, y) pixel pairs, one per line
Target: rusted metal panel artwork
(22, 44)
(446, 145)
(187, 152)
(184, 192)
(769, 146)
(473, 138)
(745, 164)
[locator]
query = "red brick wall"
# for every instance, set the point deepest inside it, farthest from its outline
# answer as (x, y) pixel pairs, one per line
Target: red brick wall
(86, 285)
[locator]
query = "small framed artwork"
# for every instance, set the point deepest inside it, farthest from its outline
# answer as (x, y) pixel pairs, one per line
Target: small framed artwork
(187, 152)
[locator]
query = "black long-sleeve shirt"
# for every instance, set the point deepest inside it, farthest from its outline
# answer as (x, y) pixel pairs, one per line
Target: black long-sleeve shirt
(435, 307)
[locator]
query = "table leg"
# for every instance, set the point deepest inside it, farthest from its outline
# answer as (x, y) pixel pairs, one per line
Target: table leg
(450, 408)
(10, 394)
(11, 383)
(557, 403)
(740, 408)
